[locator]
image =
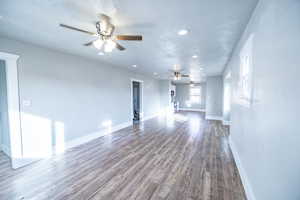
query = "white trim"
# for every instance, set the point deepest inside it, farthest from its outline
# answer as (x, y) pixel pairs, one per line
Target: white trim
(150, 117)
(8, 56)
(226, 123)
(89, 137)
(213, 117)
(95, 135)
(13, 102)
(5, 149)
(21, 162)
(242, 172)
(192, 109)
(141, 100)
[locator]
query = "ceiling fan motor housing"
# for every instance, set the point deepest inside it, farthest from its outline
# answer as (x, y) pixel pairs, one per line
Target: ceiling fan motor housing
(105, 28)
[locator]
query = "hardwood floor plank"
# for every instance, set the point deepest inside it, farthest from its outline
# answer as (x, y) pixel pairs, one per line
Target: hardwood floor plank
(179, 157)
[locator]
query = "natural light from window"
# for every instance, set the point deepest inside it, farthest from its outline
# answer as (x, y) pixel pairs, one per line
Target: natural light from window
(195, 94)
(245, 76)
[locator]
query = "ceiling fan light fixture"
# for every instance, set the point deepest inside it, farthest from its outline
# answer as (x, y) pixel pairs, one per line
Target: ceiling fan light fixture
(108, 50)
(98, 43)
(109, 46)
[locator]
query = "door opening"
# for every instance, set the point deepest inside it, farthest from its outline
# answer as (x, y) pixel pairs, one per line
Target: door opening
(136, 101)
(9, 63)
(4, 126)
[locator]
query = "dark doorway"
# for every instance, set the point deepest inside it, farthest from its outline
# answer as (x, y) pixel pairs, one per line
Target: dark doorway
(136, 98)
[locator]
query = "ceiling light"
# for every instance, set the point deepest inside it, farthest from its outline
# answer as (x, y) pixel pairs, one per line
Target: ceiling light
(134, 66)
(100, 53)
(98, 43)
(109, 46)
(182, 32)
(194, 56)
(155, 73)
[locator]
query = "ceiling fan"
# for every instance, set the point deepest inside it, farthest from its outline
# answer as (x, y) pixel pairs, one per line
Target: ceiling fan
(177, 75)
(105, 37)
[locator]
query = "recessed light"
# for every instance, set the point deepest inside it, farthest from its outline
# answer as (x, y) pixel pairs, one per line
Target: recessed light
(100, 53)
(182, 32)
(134, 66)
(155, 73)
(194, 56)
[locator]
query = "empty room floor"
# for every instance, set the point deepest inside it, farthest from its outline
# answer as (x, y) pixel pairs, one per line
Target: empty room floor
(183, 157)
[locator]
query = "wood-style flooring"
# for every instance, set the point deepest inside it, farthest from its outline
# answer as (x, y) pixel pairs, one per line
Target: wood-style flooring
(182, 157)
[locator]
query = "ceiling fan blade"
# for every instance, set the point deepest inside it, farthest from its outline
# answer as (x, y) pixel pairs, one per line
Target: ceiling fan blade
(185, 75)
(173, 70)
(89, 43)
(77, 29)
(129, 37)
(120, 47)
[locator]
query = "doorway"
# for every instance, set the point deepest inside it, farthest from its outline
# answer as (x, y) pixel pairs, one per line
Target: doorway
(137, 109)
(4, 126)
(9, 64)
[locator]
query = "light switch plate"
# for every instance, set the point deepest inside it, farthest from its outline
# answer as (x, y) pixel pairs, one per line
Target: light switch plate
(26, 103)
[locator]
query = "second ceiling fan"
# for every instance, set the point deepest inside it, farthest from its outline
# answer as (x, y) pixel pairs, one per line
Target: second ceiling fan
(106, 39)
(177, 75)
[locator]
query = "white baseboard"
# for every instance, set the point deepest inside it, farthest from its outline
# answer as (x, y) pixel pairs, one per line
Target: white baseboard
(226, 123)
(95, 135)
(21, 162)
(192, 109)
(149, 117)
(242, 172)
(5, 149)
(214, 117)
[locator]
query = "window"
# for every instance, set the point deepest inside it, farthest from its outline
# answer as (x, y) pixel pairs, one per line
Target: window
(245, 76)
(195, 94)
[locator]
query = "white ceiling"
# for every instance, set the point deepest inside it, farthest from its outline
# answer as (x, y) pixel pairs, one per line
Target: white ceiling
(214, 28)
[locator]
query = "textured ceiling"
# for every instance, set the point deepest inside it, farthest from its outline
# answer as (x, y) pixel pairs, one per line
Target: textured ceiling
(214, 28)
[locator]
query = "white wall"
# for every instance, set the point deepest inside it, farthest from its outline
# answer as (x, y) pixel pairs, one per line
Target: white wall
(183, 97)
(214, 96)
(266, 133)
(165, 96)
(4, 134)
(76, 93)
